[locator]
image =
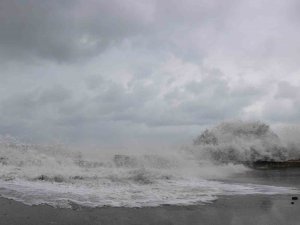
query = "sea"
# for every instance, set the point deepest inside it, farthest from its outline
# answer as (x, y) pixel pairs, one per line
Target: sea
(215, 164)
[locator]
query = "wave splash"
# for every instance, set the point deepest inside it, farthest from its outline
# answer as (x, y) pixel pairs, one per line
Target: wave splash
(239, 142)
(35, 174)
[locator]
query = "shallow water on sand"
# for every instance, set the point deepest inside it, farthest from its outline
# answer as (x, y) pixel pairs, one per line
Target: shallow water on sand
(289, 177)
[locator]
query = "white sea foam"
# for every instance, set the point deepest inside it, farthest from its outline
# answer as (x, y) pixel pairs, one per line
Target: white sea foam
(173, 192)
(52, 175)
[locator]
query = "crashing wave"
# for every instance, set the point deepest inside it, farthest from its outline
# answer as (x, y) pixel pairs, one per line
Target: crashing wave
(36, 174)
(240, 141)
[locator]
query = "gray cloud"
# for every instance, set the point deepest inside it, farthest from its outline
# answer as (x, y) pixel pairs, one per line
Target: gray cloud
(122, 71)
(285, 104)
(71, 30)
(67, 30)
(104, 106)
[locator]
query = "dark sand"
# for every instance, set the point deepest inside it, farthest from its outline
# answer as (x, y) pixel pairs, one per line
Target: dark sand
(238, 210)
(235, 210)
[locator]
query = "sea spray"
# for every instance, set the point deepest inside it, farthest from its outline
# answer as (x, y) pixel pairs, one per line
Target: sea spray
(240, 142)
(54, 175)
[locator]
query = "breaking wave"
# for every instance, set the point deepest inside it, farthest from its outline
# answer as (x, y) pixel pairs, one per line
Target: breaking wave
(54, 175)
(239, 142)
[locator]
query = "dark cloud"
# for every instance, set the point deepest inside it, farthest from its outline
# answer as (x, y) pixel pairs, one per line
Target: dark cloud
(70, 30)
(66, 30)
(109, 70)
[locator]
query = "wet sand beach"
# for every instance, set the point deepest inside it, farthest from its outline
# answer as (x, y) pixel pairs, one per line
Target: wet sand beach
(235, 210)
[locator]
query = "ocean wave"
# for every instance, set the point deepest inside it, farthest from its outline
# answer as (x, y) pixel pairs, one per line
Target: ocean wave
(54, 175)
(239, 142)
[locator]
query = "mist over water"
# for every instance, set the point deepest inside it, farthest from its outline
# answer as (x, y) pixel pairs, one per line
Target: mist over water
(36, 174)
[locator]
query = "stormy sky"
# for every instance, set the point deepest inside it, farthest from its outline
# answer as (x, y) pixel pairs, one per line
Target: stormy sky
(132, 72)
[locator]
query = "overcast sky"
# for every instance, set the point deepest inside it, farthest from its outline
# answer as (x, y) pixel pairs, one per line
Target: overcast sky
(132, 72)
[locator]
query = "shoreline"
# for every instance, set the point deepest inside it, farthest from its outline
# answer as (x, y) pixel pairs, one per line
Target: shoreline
(252, 209)
(233, 210)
